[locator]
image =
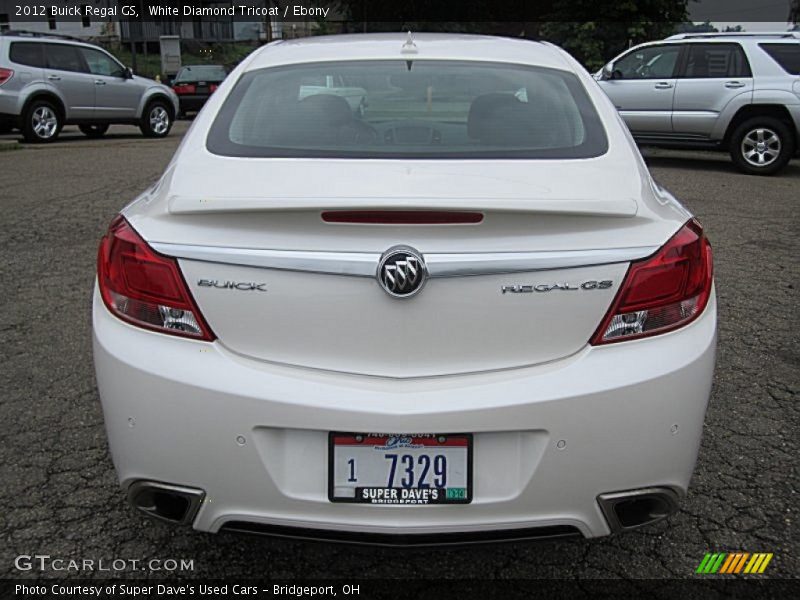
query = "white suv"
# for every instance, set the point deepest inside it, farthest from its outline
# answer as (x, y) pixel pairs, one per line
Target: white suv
(736, 92)
(48, 81)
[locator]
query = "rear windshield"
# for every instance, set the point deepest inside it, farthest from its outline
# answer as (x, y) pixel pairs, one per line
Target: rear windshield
(786, 55)
(401, 109)
(201, 73)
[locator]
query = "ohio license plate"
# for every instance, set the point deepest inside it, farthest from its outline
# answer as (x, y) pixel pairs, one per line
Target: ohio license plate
(407, 469)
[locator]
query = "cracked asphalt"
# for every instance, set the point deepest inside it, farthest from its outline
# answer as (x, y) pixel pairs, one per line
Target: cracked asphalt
(59, 494)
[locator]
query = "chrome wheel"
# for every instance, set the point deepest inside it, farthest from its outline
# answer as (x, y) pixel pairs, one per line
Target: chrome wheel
(44, 122)
(159, 120)
(761, 147)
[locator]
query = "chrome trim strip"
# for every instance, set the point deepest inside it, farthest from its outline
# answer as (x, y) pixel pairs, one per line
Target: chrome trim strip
(460, 265)
(360, 264)
(365, 264)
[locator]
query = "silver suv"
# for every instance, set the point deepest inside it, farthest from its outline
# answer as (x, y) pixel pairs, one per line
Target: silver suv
(736, 92)
(49, 81)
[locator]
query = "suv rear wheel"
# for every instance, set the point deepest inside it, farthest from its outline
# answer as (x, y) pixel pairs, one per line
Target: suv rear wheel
(761, 146)
(93, 131)
(156, 120)
(42, 122)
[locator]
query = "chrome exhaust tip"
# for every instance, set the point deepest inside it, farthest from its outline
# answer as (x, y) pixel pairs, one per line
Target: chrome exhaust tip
(171, 503)
(637, 508)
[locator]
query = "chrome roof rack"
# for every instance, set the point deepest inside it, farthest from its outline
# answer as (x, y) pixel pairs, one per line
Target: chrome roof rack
(754, 34)
(40, 34)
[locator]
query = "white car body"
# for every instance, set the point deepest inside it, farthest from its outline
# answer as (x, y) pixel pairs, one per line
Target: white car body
(559, 425)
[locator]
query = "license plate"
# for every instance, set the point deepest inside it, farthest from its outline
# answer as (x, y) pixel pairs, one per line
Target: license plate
(407, 469)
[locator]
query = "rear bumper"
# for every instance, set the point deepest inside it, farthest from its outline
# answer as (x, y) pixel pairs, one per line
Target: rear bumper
(9, 104)
(9, 118)
(253, 435)
(192, 102)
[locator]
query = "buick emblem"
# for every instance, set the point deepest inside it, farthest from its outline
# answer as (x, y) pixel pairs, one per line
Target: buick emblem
(401, 272)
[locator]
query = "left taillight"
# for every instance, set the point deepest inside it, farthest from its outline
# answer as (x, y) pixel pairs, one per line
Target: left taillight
(184, 88)
(663, 292)
(5, 75)
(145, 288)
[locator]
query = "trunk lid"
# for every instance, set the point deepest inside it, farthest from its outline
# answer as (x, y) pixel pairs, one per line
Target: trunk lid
(277, 283)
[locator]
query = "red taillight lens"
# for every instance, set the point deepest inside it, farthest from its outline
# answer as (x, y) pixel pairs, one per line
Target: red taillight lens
(663, 292)
(5, 75)
(184, 88)
(213, 87)
(145, 288)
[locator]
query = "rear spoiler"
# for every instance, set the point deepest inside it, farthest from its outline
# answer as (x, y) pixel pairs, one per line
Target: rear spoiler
(613, 207)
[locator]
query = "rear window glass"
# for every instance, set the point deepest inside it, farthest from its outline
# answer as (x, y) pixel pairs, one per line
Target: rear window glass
(201, 73)
(786, 55)
(27, 53)
(400, 109)
(716, 60)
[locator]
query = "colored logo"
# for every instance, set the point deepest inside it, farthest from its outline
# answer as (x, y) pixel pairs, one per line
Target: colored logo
(734, 563)
(397, 441)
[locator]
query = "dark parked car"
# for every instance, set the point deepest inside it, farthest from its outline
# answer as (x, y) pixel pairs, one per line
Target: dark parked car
(194, 84)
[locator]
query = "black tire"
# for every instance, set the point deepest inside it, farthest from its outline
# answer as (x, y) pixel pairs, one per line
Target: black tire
(157, 119)
(761, 146)
(93, 131)
(42, 122)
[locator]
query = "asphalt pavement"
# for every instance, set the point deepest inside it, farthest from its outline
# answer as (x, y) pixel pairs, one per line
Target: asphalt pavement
(59, 495)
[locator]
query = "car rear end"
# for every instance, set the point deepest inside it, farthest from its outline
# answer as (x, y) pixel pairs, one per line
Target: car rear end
(777, 78)
(195, 84)
(14, 78)
(409, 325)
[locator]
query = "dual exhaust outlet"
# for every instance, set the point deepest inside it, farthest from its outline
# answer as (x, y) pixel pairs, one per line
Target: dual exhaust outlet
(172, 503)
(637, 508)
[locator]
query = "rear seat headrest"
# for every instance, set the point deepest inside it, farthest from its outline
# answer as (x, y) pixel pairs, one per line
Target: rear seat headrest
(486, 111)
(325, 108)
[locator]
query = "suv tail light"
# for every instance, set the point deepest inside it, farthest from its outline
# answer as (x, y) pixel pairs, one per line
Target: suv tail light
(662, 292)
(145, 288)
(5, 75)
(184, 88)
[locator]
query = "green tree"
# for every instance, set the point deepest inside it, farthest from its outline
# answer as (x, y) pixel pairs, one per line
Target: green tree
(607, 26)
(624, 23)
(690, 27)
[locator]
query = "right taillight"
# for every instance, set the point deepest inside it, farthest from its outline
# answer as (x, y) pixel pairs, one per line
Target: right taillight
(662, 292)
(5, 75)
(146, 288)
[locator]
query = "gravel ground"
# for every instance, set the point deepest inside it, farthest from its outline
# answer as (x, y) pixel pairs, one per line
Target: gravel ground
(59, 494)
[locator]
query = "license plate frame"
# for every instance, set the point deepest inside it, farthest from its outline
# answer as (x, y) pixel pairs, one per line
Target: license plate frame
(459, 495)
